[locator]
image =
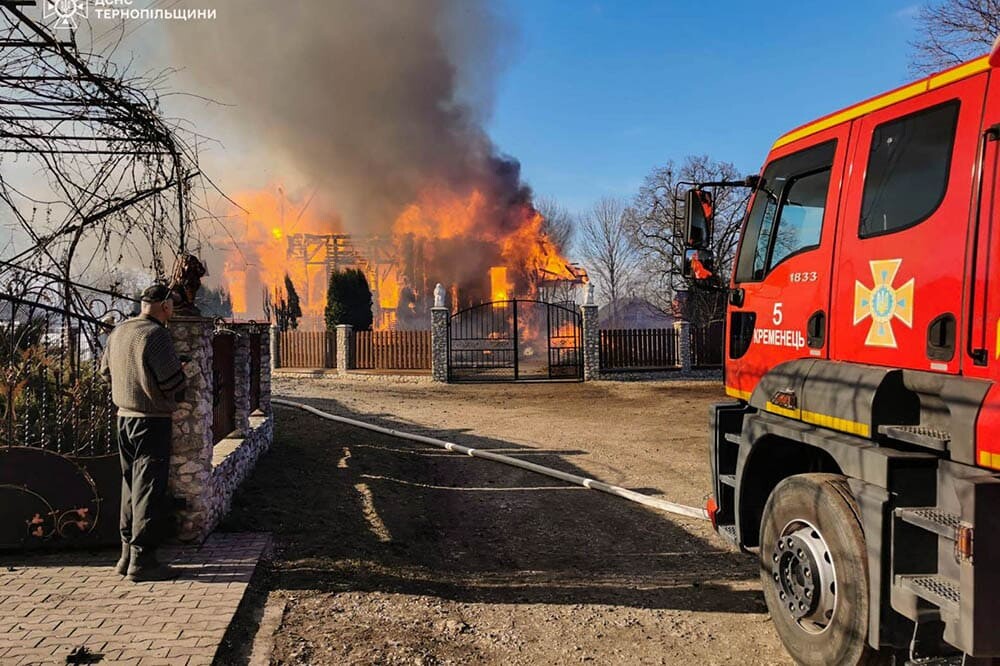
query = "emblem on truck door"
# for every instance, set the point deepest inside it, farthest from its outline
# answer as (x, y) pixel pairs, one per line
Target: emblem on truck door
(883, 303)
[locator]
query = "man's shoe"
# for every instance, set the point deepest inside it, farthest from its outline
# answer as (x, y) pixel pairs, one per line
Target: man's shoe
(145, 567)
(153, 573)
(121, 568)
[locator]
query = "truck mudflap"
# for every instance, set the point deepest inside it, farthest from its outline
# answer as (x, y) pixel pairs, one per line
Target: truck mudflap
(946, 560)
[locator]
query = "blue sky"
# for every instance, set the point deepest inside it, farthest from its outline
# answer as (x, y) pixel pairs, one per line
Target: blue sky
(598, 93)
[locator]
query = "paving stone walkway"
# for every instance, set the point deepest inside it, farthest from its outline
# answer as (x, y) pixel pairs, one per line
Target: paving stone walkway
(52, 604)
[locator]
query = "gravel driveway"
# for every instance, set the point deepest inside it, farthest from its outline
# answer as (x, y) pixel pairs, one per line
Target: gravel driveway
(393, 552)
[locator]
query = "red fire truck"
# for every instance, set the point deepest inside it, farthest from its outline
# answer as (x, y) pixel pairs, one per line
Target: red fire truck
(861, 456)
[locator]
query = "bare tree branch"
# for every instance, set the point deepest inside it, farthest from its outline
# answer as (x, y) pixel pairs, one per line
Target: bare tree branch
(612, 257)
(84, 138)
(950, 32)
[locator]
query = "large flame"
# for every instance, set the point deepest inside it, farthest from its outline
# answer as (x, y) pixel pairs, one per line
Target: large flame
(479, 249)
(258, 260)
(499, 287)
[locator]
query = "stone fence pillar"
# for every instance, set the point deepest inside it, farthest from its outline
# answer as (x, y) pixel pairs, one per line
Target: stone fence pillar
(439, 344)
(591, 342)
(191, 459)
(684, 351)
(345, 348)
(268, 361)
(274, 348)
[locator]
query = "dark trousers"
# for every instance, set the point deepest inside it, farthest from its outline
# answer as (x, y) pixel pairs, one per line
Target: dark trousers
(144, 446)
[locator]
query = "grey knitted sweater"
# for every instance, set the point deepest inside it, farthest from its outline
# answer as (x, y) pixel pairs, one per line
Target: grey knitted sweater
(143, 368)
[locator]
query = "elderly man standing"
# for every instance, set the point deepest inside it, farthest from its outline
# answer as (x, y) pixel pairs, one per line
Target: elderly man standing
(146, 377)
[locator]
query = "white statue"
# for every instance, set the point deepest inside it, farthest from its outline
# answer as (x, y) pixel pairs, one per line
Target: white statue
(588, 294)
(439, 296)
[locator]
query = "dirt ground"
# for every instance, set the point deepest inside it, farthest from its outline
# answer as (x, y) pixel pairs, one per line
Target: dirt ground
(393, 552)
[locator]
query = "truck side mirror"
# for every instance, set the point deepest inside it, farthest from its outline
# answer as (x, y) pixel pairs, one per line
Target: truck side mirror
(698, 213)
(699, 264)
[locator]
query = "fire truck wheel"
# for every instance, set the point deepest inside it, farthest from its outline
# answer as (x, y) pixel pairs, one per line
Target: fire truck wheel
(813, 568)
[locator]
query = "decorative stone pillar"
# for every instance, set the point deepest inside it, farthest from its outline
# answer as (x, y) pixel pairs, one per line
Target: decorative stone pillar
(273, 348)
(345, 348)
(268, 360)
(684, 351)
(191, 459)
(439, 344)
(591, 341)
(439, 337)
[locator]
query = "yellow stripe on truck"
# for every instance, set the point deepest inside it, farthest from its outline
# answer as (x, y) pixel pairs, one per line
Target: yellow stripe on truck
(991, 460)
(738, 394)
(783, 411)
(843, 425)
(824, 420)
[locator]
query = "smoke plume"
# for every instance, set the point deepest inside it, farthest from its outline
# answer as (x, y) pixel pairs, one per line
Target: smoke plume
(373, 100)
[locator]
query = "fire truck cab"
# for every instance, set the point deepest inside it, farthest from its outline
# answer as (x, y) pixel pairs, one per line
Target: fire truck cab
(860, 457)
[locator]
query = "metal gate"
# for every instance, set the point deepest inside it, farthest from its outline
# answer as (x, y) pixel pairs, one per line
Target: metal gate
(60, 476)
(519, 340)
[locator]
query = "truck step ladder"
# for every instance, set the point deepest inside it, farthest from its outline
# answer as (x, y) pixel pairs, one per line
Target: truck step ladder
(933, 520)
(938, 590)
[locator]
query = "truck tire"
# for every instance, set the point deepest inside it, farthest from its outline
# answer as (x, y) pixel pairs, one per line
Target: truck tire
(814, 571)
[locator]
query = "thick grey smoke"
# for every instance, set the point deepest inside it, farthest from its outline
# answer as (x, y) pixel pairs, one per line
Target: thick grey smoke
(371, 99)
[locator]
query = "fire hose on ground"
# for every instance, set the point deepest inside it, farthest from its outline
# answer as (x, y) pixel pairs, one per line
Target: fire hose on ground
(592, 484)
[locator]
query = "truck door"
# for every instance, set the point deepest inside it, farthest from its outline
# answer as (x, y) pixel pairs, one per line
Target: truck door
(980, 338)
(900, 258)
(779, 310)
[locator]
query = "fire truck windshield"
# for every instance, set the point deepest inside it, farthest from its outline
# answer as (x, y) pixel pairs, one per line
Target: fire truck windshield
(786, 212)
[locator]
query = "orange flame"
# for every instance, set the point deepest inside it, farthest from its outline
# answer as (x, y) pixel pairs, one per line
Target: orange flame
(518, 253)
(523, 245)
(499, 286)
(259, 261)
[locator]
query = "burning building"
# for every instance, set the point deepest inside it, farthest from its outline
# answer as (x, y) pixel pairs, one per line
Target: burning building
(480, 251)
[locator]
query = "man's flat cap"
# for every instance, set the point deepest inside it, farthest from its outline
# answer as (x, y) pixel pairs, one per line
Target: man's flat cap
(159, 293)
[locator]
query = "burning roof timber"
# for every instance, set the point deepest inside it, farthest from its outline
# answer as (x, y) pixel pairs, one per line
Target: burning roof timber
(442, 238)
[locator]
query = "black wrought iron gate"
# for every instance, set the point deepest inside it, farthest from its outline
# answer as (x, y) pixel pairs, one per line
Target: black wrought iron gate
(60, 476)
(519, 340)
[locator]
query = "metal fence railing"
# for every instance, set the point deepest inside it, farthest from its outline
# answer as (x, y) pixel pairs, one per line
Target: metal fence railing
(639, 349)
(707, 345)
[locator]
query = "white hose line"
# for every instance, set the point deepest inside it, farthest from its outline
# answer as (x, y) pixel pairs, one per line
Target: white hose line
(617, 491)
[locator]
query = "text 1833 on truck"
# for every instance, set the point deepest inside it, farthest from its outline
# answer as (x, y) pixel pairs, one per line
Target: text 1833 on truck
(861, 456)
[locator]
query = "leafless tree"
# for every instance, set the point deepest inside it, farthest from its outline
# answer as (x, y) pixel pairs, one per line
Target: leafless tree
(656, 230)
(558, 225)
(91, 172)
(953, 31)
(610, 255)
